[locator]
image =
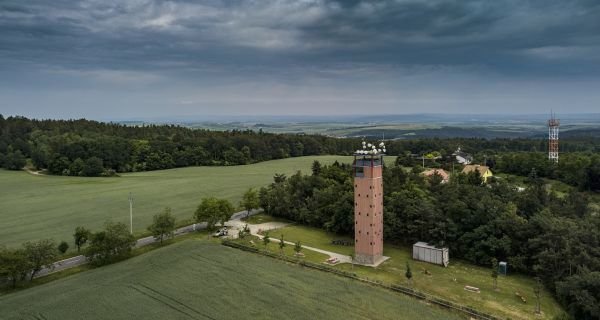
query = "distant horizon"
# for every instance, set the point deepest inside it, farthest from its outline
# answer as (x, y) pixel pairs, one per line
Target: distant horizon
(376, 117)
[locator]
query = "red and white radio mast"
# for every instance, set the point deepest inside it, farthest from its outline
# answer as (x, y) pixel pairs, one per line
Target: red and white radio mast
(553, 125)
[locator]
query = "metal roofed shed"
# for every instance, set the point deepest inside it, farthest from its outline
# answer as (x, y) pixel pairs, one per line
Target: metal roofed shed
(428, 253)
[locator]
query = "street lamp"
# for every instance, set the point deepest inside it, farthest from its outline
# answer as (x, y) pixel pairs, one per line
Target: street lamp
(130, 213)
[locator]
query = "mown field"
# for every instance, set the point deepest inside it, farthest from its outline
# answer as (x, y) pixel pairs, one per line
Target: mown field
(34, 207)
(447, 283)
(197, 279)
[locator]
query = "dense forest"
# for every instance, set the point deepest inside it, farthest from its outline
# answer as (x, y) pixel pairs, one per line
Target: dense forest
(536, 232)
(90, 148)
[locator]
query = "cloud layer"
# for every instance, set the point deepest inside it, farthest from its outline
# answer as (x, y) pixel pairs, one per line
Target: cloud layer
(277, 56)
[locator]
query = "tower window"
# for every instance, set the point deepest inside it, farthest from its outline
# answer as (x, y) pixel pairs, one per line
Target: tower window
(367, 214)
(359, 171)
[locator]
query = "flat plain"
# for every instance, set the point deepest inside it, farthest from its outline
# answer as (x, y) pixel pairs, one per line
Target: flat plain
(35, 207)
(200, 279)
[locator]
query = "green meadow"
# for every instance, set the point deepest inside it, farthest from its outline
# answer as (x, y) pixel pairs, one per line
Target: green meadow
(200, 279)
(34, 207)
(447, 283)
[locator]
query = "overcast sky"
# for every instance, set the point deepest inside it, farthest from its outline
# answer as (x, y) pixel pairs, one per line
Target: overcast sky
(108, 59)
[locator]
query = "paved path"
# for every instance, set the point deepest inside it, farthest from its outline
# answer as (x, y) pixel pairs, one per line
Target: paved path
(80, 259)
(255, 228)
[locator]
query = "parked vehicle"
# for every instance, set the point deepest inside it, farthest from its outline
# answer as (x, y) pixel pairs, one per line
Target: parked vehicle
(221, 232)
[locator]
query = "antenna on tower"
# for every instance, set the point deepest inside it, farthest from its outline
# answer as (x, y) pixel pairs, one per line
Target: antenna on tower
(553, 129)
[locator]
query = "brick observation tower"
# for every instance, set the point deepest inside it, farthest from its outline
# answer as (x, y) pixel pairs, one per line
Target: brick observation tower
(368, 204)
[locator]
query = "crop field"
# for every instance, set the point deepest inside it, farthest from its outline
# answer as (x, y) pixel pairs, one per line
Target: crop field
(197, 279)
(447, 283)
(34, 207)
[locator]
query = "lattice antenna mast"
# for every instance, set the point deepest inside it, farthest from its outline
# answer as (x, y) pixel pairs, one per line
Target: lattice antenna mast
(553, 126)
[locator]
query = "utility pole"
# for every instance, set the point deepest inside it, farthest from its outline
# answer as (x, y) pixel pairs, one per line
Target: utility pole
(537, 291)
(130, 213)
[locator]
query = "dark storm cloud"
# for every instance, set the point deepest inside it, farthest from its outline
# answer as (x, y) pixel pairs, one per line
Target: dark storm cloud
(495, 34)
(387, 44)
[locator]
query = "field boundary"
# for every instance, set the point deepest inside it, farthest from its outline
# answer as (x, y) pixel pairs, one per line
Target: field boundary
(393, 287)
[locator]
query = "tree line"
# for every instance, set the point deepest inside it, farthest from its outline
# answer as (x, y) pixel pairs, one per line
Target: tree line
(90, 148)
(536, 232)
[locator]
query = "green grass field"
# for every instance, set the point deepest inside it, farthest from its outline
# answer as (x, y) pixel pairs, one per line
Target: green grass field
(34, 207)
(447, 283)
(198, 279)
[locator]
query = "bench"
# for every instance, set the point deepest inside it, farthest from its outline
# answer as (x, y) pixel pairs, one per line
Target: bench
(472, 289)
(341, 242)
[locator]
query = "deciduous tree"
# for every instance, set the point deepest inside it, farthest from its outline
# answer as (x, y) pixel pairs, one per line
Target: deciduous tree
(212, 211)
(250, 201)
(408, 273)
(298, 247)
(81, 236)
(495, 272)
(281, 245)
(163, 225)
(112, 243)
(40, 254)
(14, 265)
(266, 240)
(92, 167)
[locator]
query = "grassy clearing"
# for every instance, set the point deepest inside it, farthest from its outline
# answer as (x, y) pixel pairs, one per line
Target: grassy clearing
(33, 207)
(313, 237)
(447, 283)
(288, 250)
(263, 218)
(206, 281)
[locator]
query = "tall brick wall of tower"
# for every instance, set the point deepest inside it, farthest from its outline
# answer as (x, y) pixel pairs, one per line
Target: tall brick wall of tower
(368, 209)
